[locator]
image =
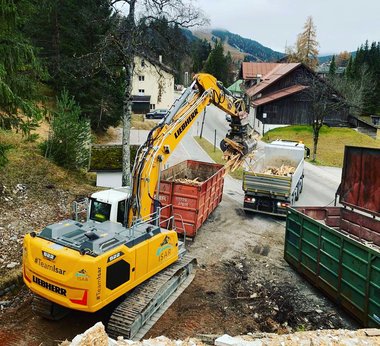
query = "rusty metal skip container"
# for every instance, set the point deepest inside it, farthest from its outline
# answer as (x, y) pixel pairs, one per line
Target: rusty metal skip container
(191, 203)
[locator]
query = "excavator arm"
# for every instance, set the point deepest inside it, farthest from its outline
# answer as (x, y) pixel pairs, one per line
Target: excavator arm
(164, 138)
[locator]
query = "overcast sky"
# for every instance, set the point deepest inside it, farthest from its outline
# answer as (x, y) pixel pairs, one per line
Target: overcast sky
(341, 24)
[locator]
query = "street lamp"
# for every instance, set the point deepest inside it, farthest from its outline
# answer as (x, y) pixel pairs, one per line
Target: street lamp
(264, 117)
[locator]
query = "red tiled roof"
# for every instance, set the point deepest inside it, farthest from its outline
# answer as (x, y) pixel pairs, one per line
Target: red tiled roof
(276, 73)
(279, 94)
(252, 69)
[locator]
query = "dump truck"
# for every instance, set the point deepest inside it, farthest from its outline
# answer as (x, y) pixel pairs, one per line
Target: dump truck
(337, 248)
(275, 180)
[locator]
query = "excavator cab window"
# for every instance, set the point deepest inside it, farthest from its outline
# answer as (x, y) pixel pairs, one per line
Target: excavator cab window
(100, 211)
(121, 208)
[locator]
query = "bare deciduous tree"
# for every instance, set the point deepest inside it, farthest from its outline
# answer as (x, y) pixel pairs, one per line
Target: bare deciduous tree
(325, 102)
(129, 42)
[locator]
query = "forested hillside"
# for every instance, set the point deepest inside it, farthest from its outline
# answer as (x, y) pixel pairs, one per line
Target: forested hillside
(255, 50)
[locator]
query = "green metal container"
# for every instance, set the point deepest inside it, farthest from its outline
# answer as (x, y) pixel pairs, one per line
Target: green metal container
(338, 248)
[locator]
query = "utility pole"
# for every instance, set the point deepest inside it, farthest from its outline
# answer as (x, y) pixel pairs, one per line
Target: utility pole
(203, 122)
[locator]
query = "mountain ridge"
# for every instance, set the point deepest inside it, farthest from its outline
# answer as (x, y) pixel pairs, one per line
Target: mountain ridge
(243, 48)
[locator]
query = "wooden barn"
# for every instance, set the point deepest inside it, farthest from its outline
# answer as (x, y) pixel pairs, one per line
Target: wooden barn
(284, 94)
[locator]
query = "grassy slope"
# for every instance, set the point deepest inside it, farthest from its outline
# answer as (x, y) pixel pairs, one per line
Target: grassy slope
(331, 141)
(217, 155)
(48, 187)
(26, 165)
(235, 53)
(139, 122)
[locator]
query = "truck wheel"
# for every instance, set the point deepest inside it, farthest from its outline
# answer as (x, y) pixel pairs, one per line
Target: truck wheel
(297, 193)
(292, 200)
(301, 186)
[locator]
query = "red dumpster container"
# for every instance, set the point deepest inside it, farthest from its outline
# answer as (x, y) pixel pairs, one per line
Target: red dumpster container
(192, 203)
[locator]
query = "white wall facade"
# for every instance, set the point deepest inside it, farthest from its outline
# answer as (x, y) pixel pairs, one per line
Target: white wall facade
(108, 179)
(150, 80)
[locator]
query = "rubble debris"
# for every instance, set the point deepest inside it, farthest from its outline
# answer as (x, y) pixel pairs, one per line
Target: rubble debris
(12, 265)
(273, 304)
(96, 336)
(337, 337)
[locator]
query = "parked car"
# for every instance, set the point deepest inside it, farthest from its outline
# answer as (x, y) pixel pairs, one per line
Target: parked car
(156, 114)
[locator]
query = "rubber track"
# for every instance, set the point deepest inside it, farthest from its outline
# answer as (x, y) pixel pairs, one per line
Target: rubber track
(129, 318)
(45, 308)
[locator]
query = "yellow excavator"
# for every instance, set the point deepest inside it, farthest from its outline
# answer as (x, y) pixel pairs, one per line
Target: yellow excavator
(121, 250)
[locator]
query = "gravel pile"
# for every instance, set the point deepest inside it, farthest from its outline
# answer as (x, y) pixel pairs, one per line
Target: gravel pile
(21, 212)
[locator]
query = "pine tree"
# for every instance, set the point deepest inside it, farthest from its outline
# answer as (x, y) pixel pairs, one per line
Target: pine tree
(68, 34)
(349, 71)
(332, 69)
(365, 70)
(200, 52)
(19, 70)
(230, 69)
(306, 50)
(70, 140)
(216, 63)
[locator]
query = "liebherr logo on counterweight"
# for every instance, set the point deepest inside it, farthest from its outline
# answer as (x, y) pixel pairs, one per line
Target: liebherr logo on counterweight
(186, 123)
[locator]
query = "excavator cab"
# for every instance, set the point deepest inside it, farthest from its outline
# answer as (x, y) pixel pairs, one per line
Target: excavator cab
(109, 205)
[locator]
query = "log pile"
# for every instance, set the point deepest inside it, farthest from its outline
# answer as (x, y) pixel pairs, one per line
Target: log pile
(234, 161)
(284, 170)
(234, 156)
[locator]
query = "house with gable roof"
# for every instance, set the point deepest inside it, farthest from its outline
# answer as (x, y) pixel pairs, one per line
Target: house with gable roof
(152, 85)
(280, 95)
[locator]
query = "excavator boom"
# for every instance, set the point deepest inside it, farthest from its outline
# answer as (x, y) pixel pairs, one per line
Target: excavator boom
(165, 137)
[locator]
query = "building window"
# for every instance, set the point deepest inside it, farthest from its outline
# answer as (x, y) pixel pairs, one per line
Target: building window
(141, 92)
(141, 78)
(142, 63)
(152, 106)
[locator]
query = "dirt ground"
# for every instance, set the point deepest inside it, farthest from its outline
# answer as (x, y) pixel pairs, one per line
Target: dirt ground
(242, 285)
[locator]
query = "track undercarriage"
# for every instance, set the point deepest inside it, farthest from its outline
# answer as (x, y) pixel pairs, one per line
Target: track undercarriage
(142, 307)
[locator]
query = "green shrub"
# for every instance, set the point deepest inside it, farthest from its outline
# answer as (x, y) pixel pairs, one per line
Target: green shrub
(69, 143)
(3, 154)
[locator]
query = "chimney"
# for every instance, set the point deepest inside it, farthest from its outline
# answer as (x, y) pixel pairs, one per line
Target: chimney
(258, 78)
(160, 59)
